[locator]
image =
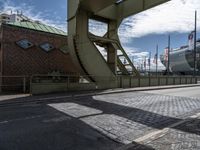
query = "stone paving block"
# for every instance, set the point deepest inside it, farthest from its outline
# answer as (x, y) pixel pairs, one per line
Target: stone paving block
(75, 110)
(172, 106)
(120, 129)
(125, 117)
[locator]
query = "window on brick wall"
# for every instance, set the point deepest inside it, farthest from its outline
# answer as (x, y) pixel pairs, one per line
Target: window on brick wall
(25, 44)
(47, 47)
(64, 49)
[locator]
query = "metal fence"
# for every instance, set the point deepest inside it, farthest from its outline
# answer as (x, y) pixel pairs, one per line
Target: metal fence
(130, 82)
(39, 84)
(48, 83)
(16, 84)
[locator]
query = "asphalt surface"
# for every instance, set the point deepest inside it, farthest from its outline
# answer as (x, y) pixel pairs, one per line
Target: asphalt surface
(158, 119)
(41, 127)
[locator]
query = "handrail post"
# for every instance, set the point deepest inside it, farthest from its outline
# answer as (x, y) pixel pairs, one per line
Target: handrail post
(31, 78)
(167, 80)
(120, 81)
(1, 80)
(68, 82)
(139, 84)
(149, 80)
(24, 84)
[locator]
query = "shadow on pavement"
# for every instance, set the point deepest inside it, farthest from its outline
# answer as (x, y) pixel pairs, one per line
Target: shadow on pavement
(41, 127)
(44, 128)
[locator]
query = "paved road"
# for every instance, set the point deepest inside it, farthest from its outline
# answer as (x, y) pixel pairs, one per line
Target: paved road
(184, 92)
(40, 127)
(103, 122)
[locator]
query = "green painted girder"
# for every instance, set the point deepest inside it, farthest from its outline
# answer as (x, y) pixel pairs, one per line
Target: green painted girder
(101, 41)
(128, 8)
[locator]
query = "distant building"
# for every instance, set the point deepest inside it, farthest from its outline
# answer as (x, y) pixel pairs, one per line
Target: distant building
(28, 48)
(7, 18)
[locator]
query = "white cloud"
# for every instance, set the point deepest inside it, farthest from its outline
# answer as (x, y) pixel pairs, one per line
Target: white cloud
(30, 12)
(139, 63)
(173, 16)
(97, 28)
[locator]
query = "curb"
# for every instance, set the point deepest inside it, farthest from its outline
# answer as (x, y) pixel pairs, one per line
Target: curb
(147, 89)
(54, 99)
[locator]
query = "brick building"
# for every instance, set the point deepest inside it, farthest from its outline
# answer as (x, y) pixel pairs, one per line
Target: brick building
(29, 48)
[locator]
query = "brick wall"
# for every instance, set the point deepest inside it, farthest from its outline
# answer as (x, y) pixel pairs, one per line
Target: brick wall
(18, 61)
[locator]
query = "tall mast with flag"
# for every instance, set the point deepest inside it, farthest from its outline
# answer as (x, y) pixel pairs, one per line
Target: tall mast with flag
(149, 62)
(145, 64)
(155, 60)
(191, 41)
(195, 46)
(168, 54)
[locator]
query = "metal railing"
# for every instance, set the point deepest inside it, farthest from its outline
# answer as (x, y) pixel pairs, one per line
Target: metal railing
(145, 81)
(61, 83)
(14, 84)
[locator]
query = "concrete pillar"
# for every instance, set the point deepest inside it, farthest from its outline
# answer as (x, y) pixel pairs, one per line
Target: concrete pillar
(111, 51)
(112, 58)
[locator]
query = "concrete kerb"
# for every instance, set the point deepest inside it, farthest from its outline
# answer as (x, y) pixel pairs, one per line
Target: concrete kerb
(146, 89)
(148, 138)
(53, 98)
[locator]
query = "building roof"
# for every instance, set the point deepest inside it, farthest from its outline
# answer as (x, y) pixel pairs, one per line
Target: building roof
(38, 27)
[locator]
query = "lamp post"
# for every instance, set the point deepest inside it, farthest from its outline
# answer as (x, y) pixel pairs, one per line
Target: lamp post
(156, 60)
(149, 63)
(195, 46)
(168, 54)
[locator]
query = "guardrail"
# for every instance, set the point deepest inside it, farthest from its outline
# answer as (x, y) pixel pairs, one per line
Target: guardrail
(51, 83)
(128, 82)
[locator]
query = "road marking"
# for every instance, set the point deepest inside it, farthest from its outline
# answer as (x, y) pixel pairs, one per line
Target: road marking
(157, 134)
(57, 119)
(20, 119)
(52, 98)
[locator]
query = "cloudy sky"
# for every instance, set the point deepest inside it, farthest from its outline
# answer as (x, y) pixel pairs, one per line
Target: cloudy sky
(139, 34)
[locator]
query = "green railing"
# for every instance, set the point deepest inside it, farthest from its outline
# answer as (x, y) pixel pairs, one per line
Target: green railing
(49, 83)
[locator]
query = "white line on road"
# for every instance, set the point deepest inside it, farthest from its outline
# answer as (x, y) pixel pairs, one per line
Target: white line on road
(26, 118)
(159, 133)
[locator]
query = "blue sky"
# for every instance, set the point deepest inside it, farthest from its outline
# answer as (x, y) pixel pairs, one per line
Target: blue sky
(139, 34)
(52, 12)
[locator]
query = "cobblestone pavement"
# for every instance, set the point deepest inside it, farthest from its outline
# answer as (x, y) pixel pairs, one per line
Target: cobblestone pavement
(125, 117)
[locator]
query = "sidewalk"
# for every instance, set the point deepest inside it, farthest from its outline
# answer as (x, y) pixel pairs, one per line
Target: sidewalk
(148, 88)
(23, 98)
